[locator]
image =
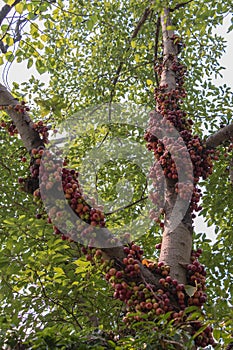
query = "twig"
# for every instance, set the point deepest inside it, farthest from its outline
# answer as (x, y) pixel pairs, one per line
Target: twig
(127, 206)
(5, 166)
(56, 302)
(182, 4)
(177, 344)
(134, 34)
(140, 23)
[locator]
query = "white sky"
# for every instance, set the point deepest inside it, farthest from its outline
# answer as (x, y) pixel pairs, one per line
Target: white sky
(19, 73)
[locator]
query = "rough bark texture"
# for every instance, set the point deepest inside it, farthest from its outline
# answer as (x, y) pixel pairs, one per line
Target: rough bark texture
(31, 139)
(169, 52)
(222, 135)
(176, 244)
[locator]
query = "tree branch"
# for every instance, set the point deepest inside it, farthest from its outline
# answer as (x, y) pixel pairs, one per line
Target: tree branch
(224, 134)
(6, 9)
(127, 206)
(134, 34)
(31, 138)
(182, 4)
(140, 23)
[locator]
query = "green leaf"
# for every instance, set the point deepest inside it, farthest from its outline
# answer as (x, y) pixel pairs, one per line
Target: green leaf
(10, 56)
(34, 30)
(199, 331)
(149, 82)
(217, 334)
(171, 28)
(30, 63)
(91, 22)
(10, 2)
(190, 290)
(4, 27)
(40, 66)
(137, 58)
(19, 8)
(133, 44)
(59, 271)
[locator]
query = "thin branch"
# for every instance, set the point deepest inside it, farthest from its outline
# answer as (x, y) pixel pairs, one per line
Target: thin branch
(178, 6)
(46, 296)
(18, 35)
(127, 206)
(5, 167)
(4, 34)
(134, 34)
(140, 23)
(224, 134)
(177, 344)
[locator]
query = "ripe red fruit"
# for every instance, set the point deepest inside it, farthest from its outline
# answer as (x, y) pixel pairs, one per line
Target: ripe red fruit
(162, 281)
(119, 274)
(130, 261)
(159, 311)
(125, 261)
(98, 252)
(126, 250)
(174, 282)
(112, 271)
(149, 306)
(168, 279)
(180, 287)
(95, 217)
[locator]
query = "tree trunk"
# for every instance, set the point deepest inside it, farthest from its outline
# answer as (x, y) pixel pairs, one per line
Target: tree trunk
(176, 243)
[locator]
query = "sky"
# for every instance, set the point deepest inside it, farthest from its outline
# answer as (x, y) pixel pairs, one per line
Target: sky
(19, 73)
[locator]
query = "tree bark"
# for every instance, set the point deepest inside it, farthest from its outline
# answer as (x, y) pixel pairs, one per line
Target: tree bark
(30, 138)
(222, 135)
(176, 244)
